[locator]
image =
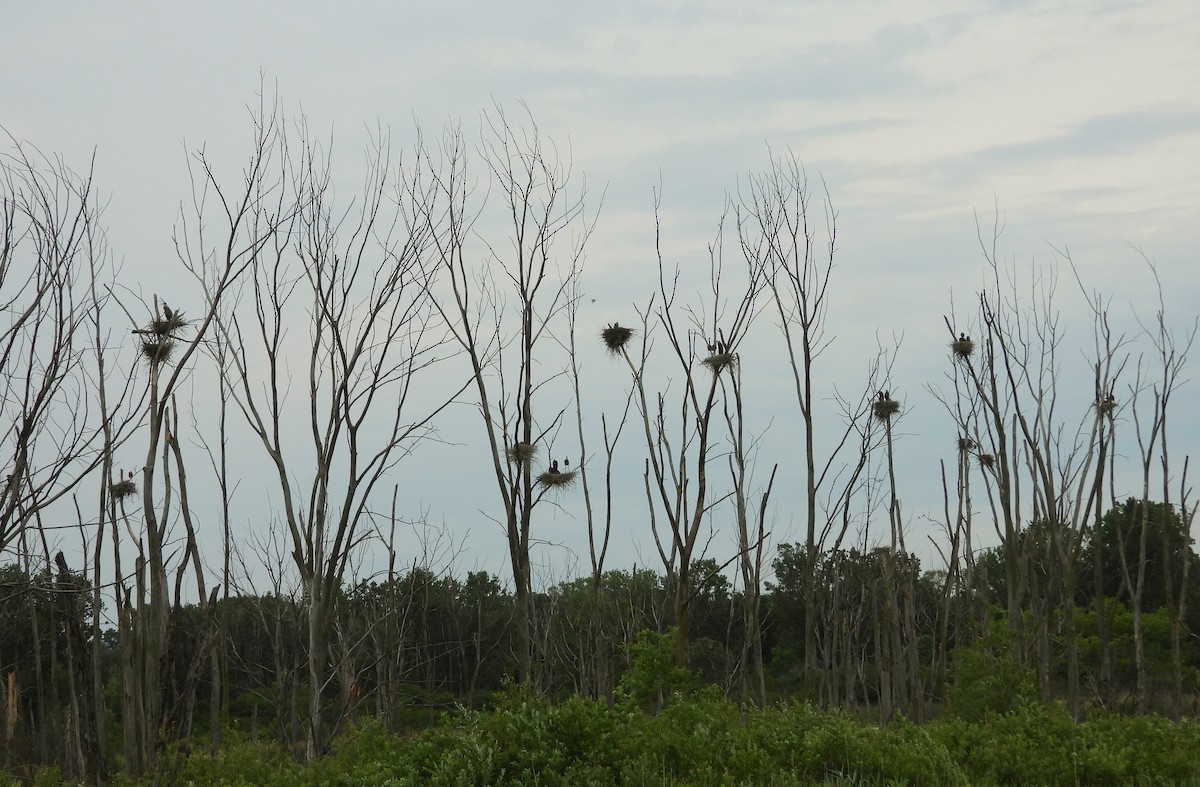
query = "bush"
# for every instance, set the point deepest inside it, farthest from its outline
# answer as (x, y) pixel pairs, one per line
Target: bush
(984, 683)
(703, 738)
(652, 676)
(248, 763)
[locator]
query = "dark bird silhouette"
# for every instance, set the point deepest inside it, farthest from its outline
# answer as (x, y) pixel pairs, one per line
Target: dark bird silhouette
(553, 465)
(567, 462)
(879, 395)
(887, 395)
(962, 337)
(167, 311)
(712, 348)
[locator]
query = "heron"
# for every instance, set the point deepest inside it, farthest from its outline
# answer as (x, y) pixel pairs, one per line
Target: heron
(553, 465)
(167, 311)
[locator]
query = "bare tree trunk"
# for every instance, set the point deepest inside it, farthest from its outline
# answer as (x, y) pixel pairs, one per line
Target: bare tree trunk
(83, 710)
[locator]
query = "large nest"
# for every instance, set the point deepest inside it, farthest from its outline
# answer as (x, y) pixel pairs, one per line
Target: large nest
(166, 325)
(720, 361)
(557, 480)
(885, 408)
(966, 444)
(521, 453)
(615, 337)
(987, 460)
(158, 349)
(962, 348)
(123, 489)
(1106, 405)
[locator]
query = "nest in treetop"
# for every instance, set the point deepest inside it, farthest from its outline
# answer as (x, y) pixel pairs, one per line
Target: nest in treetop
(520, 453)
(987, 460)
(1106, 405)
(962, 348)
(885, 408)
(616, 337)
(123, 488)
(559, 480)
(966, 444)
(158, 349)
(720, 361)
(165, 326)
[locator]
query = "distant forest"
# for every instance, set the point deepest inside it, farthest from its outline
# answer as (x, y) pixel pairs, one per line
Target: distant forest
(329, 328)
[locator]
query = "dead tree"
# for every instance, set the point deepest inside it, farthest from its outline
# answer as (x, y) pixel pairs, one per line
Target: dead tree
(51, 247)
(355, 277)
(1159, 374)
(798, 250)
(505, 315)
(679, 426)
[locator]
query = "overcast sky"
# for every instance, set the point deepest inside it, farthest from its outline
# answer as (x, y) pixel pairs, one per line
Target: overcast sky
(1079, 120)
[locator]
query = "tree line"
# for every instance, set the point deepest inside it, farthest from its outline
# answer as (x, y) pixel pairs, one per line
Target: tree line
(335, 334)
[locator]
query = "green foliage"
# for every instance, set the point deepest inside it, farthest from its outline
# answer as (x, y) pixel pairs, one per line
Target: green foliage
(248, 763)
(705, 739)
(1120, 534)
(1041, 744)
(652, 676)
(986, 684)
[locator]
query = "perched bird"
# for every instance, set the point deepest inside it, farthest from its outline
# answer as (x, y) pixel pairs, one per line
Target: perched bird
(167, 311)
(553, 465)
(567, 462)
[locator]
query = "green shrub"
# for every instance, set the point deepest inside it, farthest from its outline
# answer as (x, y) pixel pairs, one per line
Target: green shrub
(248, 763)
(703, 738)
(652, 676)
(984, 683)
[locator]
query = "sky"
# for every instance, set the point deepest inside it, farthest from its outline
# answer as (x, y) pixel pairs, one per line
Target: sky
(1077, 124)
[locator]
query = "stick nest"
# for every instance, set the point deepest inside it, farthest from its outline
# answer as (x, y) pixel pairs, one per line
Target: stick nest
(549, 479)
(165, 326)
(158, 349)
(123, 489)
(521, 453)
(720, 361)
(615, 337)
(962, 348)
(966, 444)
(885, 408)
(987, 460)
(1106, 405)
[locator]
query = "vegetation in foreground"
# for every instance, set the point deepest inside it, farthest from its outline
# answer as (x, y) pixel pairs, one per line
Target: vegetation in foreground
(660, 731)
(705, 739)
